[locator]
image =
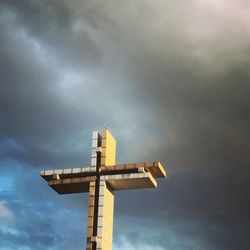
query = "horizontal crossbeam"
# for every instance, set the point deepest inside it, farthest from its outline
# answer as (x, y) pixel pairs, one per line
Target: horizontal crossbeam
(154, 168)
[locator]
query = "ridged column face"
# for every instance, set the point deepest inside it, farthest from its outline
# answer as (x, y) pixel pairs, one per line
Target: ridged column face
(105, 217)
(89, 244)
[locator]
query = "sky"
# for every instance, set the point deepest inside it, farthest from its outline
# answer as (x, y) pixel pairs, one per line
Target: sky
(171, 81)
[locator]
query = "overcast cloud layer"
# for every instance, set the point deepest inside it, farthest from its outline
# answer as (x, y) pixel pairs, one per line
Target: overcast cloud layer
(170, 79)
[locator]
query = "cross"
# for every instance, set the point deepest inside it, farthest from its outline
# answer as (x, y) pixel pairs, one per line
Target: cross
(100, 180)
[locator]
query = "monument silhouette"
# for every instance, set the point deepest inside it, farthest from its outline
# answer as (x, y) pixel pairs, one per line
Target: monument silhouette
(100, 180)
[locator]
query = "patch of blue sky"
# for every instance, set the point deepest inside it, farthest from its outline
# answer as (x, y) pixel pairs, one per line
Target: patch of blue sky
(6, 183)
(33, 203)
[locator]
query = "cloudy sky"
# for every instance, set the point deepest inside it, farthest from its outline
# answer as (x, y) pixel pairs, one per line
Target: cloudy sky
(170, 79)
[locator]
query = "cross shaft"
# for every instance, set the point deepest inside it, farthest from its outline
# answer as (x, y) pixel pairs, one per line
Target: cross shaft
(101, 179)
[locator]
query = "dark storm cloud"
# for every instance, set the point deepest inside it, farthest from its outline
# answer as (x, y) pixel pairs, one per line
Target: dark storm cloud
(199, 212)
(53, 22)
(31, 109)
(172, 82)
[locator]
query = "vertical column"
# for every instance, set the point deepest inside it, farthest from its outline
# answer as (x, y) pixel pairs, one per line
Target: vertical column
(101, 198)
(94, 193)
(106, 197)
(105, 217)
(90, 216)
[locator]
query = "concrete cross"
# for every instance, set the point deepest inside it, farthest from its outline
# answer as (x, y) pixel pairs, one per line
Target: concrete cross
(100, 180)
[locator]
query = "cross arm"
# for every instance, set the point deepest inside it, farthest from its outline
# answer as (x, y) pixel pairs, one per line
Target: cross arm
(49, 175)
(130, 181)
(72, 185)
(70, 180)
(154, 168)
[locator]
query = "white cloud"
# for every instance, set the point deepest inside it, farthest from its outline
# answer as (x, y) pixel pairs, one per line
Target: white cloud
(5, 213)
(125, 244)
